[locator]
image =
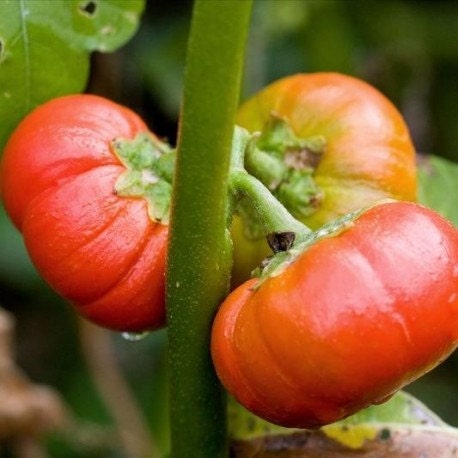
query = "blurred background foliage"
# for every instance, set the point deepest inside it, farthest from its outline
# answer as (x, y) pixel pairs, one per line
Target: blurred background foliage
(406, 48)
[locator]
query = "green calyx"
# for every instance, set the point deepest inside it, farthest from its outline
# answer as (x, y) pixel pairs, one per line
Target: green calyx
(262, 212)
(285, 163)
(149, 173)
(276, 264)
(287, 237)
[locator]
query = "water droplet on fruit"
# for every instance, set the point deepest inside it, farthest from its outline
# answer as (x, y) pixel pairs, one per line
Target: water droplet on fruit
(134, 336)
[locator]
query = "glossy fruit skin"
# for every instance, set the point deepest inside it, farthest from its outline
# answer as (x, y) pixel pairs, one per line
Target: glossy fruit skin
(98, 250)
(352, 320)
(369, 154)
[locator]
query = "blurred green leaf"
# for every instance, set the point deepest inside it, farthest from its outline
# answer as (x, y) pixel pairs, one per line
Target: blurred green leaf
(244, 425)
(409, 27)
(45, 46)
(402, 408)
(328, 39)
(160, 56)
(438, 186)
(400, 426)
(16, 269)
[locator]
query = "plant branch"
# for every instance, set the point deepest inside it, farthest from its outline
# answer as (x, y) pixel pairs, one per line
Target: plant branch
(199, 248)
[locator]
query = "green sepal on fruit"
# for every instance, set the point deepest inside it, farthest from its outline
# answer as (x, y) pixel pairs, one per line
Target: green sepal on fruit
(276, 264)
(298, 243)
(285, 164)
(149, 173)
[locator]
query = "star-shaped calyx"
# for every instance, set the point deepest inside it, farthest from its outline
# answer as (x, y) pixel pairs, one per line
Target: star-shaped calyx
(149, 166)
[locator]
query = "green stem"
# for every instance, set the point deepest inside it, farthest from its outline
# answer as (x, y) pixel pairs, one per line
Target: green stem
(199, 254)
(269, 169)
(286, 163)
(275, 218)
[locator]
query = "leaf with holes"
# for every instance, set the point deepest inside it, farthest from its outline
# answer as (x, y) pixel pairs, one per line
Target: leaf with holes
(45, 46)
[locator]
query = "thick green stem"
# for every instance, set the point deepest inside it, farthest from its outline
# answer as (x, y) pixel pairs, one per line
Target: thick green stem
(274, 217)
(199, 253)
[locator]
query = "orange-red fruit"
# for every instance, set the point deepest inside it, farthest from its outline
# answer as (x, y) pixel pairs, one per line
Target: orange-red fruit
(352, 320)
(368, 156)
(97, 249)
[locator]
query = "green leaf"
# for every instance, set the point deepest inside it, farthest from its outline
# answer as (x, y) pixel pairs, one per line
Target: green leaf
(45, 47)
(368, 424)
(243, 425)
(160, 56)
(16, 268)
(402, 408)
(438, 180)
(402, 414)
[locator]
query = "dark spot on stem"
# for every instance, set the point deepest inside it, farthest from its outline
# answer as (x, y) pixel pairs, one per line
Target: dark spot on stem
(385, 434)
(89, 8)
(281, 241)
